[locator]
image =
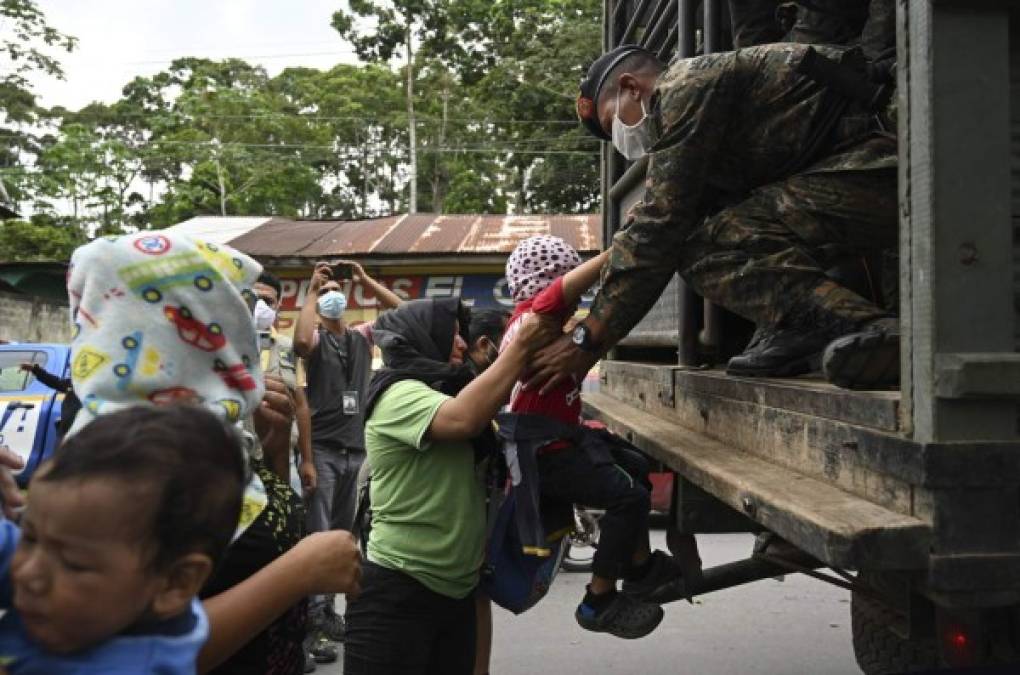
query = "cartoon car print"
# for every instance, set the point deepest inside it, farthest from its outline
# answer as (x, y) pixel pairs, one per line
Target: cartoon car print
(152, 244)
(207, 337)
(92, 403)
(174, 395)
(132, 345)
(231, 407)
(236, 376)
(230, 267)
(151, 279)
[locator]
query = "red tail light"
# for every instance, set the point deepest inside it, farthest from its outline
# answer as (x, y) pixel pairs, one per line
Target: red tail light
(959, 648)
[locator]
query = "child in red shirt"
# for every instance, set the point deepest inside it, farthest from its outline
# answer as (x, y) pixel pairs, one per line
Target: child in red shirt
(545, 276)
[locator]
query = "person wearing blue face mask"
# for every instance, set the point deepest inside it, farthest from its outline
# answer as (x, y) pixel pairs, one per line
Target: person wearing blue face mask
(338, 364)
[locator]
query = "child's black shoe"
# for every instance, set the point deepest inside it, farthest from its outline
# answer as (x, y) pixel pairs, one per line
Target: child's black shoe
(620, 615)
(659, 579)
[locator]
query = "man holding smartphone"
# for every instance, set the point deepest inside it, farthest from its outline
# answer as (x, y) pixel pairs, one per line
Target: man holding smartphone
(338, 363)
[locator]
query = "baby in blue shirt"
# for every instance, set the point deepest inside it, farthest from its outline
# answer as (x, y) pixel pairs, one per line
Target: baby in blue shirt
(122, 528)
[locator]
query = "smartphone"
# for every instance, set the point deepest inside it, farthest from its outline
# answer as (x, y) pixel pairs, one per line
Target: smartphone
(342, 271)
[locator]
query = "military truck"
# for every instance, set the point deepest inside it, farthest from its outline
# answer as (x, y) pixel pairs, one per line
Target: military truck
(910, 499)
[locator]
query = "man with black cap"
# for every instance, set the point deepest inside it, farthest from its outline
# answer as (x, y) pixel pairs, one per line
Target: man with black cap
(758, 176)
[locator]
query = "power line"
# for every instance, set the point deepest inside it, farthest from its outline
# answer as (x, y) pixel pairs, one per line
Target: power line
(230, 48)
(356, 152)
(508, 145)
(345, 52)
(396, 114)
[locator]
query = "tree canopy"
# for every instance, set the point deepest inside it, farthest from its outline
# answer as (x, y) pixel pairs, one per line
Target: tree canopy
(476, 96)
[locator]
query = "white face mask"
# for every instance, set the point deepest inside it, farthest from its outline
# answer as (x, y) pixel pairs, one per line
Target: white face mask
(264, 316)
(631, 141)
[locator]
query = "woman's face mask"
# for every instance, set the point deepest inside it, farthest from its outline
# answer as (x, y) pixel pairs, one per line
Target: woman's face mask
(491, 354)
(634, 140)
(264, 316)
(332, 304)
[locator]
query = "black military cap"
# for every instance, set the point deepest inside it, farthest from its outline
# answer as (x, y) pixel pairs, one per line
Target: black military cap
(591, 86)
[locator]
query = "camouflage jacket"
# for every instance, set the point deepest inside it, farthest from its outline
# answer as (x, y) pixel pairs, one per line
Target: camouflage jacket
(724, 124)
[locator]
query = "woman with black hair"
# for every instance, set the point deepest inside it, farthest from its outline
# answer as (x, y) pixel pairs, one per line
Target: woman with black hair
(416, 612)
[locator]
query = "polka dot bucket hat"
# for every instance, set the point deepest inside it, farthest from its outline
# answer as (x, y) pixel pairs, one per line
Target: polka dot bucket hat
(536, 263)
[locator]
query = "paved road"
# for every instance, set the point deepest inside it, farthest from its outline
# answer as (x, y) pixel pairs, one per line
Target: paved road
(795, 627)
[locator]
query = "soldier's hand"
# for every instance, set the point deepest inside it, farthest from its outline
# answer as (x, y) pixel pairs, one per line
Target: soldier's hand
(536, 331)
(10, 495)
(332, 563)
(27, 367)
(557, 362)
(320, 276)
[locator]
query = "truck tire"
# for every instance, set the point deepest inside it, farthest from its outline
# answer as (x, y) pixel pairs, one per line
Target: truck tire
(880, 651)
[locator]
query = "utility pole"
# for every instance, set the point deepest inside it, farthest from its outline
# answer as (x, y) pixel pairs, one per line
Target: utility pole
(365, 164)
(220, 178)
(412, 136)
(437, 173)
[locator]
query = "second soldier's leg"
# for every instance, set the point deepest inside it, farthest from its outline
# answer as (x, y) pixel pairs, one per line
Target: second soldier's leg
(765, 259)
(828, 22)
(754, 22)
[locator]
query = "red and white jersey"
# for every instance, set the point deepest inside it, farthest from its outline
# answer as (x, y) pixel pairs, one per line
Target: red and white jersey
(563, 403)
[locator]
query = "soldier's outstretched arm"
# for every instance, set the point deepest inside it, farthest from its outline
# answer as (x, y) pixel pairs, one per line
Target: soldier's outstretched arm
(695, 106)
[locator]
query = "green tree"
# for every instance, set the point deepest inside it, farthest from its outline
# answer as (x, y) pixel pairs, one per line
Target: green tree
(24, 51)
(91, 173)
(355, 115)
(509, 69)
(537, 51)
(42, 239)
(218, 138)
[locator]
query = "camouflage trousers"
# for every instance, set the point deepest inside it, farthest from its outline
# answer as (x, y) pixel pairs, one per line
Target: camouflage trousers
(765, 258)
(868, 22)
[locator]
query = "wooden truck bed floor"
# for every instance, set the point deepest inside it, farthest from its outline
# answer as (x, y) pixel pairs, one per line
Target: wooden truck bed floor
(835, 526)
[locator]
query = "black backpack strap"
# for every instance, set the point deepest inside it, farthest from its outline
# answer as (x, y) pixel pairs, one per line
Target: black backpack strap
(532, 428)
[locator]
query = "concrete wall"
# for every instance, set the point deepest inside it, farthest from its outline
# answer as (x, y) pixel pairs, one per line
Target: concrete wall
(27, 319)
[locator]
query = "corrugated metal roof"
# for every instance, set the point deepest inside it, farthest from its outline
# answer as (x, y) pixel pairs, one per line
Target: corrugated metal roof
(219, 229)
(414, 234)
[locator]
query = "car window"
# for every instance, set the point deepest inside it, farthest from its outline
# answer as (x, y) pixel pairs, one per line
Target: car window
(12, 377)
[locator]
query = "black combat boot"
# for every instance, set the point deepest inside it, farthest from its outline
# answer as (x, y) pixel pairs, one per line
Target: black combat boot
(780, 352)
(867, 359)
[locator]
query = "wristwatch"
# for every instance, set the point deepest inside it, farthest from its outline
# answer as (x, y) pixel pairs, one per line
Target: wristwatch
(583, 339)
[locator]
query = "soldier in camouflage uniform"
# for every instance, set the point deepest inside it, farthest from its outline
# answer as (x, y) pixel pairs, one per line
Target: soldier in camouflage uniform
(802, 181)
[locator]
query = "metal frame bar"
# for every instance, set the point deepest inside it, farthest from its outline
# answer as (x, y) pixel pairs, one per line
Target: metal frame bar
(667, 25)
(685, 24)
(669, 45)
(713, 27)
(663, 16)
(687, 350)
(956, 231)
(635, 20)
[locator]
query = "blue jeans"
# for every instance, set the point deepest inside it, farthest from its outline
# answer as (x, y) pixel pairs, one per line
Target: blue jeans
(331, 505)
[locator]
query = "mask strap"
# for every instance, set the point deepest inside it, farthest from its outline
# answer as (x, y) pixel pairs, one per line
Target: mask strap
(644, 111)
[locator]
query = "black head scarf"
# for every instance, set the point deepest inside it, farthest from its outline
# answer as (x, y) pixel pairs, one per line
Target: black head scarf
(416, 340)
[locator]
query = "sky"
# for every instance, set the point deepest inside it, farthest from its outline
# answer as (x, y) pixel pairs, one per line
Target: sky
(119, 39)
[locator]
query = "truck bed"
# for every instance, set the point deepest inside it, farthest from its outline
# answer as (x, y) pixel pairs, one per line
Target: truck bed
(829, 469)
